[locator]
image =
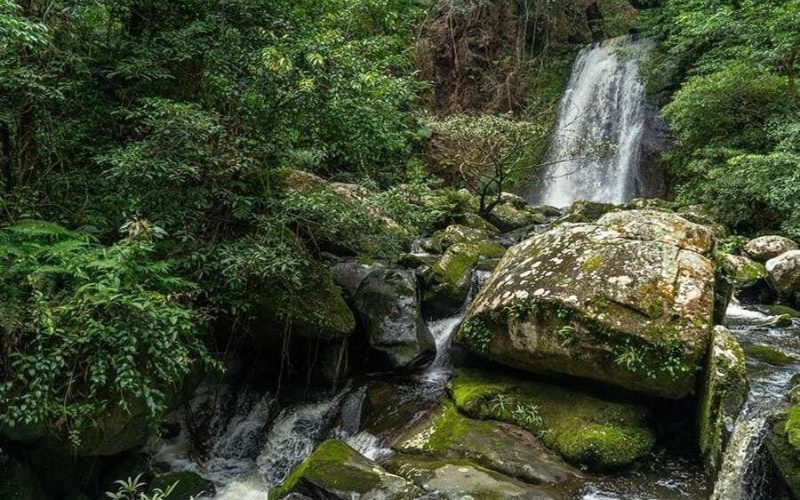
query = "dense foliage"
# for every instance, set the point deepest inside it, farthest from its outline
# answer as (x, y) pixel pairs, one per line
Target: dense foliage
(736, 113)
(178, 121)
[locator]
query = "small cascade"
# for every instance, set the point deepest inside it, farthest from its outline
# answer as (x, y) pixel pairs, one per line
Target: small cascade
(595, 151)
(744, 471)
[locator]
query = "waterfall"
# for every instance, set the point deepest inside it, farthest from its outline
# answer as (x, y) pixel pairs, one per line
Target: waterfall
(596, 148)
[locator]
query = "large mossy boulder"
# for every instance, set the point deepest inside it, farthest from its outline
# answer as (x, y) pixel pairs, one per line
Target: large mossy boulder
(450, 278)
(764, 248)
(461, 480)
(586, 430)
(186, 485)
(389, 310)
(784, 275)
(628, 300)
(514, 212)
(456, 233)
(446, 434)
(335, 470)
(746, 271)
(18, 481)
(783, 446)
(724, 393)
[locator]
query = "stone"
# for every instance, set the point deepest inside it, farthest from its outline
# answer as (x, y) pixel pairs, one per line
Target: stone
(587, 211)
(511, 215)
(446, 434)
(187, 485)
(784, 274)
(585, 430)
(349, 275)
(451, 276)
(444, 239)
(628, 301)
(746, 272)
(475, 221)
(724, 392)
(389, 311)
(765, 248)
(461, 480)
(335, 470)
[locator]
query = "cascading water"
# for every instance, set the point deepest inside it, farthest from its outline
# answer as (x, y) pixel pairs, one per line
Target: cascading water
(596, 148)
(254, 446)
(743, 475)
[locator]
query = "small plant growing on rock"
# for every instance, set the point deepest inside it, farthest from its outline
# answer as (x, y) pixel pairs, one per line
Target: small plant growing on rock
(477, 333)
(527, 415)
(131, 489)
(501, 403)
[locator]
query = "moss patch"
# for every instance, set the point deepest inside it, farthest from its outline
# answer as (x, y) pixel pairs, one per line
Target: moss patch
(769, 355)
(583, 429)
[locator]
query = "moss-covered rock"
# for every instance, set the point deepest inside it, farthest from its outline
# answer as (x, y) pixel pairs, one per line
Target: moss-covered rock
(187, 485)
(783, 445)
(587, 211)
(777, 310)
(455, 479)
(445, 238)
(446, 434)
(628, 300)
(769, 354)
(18, 481)
(475, 221)
(509, 216)
(583, 429)
(768, 247)
(746, 272)
(335, 470)
(319, 313)
(724, 393)
(450, 277)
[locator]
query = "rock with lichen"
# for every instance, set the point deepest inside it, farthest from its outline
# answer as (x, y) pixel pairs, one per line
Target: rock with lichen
(627, 300)
(784, 275)
(763, 248)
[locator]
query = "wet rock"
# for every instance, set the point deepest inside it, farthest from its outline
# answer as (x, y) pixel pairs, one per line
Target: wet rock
(770, 355)
(445, 434)
(777, 310)
(784, 274)
(389, 310)
(187, 485)
(451, 275)
(724, 393)
(765, 248)
(18, 481)
(461, 479)
(586, 430)
(335, 470)
(350, 274)
(628, 300)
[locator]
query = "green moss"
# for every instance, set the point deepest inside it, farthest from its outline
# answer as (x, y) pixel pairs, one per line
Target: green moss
(593, 263)
(785, 456)
(188, 485)
(778, 310)
(583, 429)
(451, 270)
(477, 333)
(792, 427)
(769, 355)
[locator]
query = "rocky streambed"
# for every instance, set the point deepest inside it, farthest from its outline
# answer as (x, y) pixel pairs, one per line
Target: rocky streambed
(591, 361)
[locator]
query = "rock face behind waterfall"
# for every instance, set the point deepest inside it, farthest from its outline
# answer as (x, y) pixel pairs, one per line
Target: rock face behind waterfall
(627, 300)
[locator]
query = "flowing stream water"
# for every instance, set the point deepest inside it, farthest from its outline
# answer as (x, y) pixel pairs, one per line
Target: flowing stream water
(595, 149)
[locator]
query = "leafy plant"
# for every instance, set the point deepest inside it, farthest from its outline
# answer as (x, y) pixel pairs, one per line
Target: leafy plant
(131, 489)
